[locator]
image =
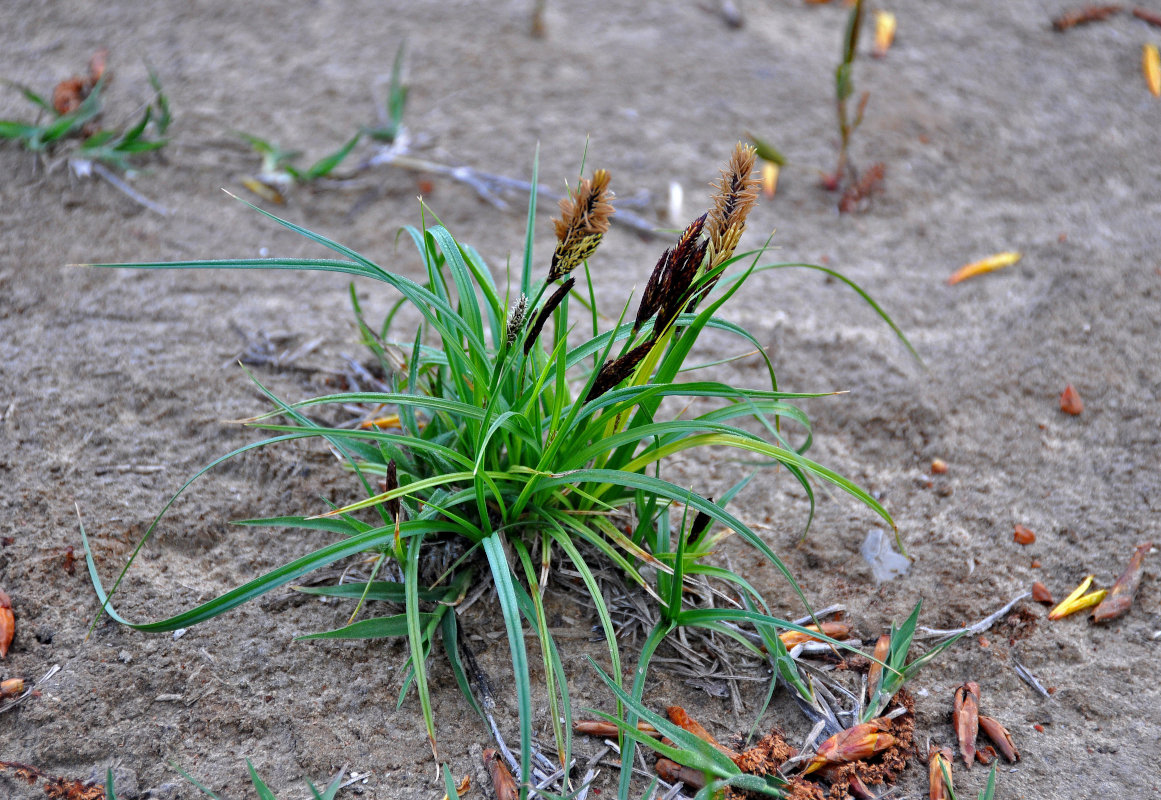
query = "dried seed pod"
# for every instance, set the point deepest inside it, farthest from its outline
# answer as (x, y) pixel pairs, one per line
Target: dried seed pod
(854, 744)
(1070, 402)
(11, 687)
(1041, 594)
(1151, 66)
(835, 630)
(1000, 737)
(965, 719)
(502, 781)
(938, 765)
(1022, 535)
(7, 624)
(986, 755)
(1120, 597)
(875, 674)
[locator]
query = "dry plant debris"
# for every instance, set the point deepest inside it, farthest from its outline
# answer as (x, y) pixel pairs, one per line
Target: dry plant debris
(1120, 597)
(965, 718)
(1000, 737)
(938, 466)
(1083, 16)
(68, 95)
(1070, 402)
(502, 781)
(938, 765)
(53, 786)
(984, 266)
(1152, 17)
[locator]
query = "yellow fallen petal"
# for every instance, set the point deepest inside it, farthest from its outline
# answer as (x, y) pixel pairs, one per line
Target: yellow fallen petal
(884, 33)
(769, 178)
(989, 264)
(1078, 600)
(264, 190)
(1080, 604)
(1151, 66)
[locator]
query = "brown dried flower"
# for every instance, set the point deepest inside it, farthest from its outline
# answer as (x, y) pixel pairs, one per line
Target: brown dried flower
(584, 219)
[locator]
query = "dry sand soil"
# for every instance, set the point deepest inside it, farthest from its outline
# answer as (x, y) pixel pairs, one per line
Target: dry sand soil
(997, 133)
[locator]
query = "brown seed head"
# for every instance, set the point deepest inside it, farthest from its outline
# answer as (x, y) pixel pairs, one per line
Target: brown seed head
(651, 297)
(584, 219)
(11, 687)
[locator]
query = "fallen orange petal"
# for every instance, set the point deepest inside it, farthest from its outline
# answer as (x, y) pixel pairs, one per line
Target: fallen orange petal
(985, 265)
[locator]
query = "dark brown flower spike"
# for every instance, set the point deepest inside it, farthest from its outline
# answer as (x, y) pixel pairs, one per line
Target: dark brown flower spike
(651, 297)
(390, 484)
(737, 192)
(615, 371)
(584, 219)
(684, 264)
(545, 312)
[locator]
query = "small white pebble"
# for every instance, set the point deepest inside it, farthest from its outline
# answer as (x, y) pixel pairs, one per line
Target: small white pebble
(180, 632)
(676, 202)
(124, 656)
(263, 252)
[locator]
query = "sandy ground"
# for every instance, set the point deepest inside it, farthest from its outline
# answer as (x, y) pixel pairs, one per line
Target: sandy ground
(997, 133)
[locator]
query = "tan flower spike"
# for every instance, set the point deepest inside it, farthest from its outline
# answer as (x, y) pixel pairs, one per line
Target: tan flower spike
(737, 192)
(584, 219)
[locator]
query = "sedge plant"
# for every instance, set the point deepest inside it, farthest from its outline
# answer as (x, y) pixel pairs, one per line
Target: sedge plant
(517, 443)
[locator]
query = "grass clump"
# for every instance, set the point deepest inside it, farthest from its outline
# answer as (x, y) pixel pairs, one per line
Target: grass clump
(71, 116)
(516, 444)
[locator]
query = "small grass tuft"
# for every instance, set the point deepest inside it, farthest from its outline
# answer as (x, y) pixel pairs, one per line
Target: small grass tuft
(520, 446)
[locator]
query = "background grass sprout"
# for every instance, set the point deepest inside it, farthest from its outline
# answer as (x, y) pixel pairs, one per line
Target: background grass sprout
(520, 445)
